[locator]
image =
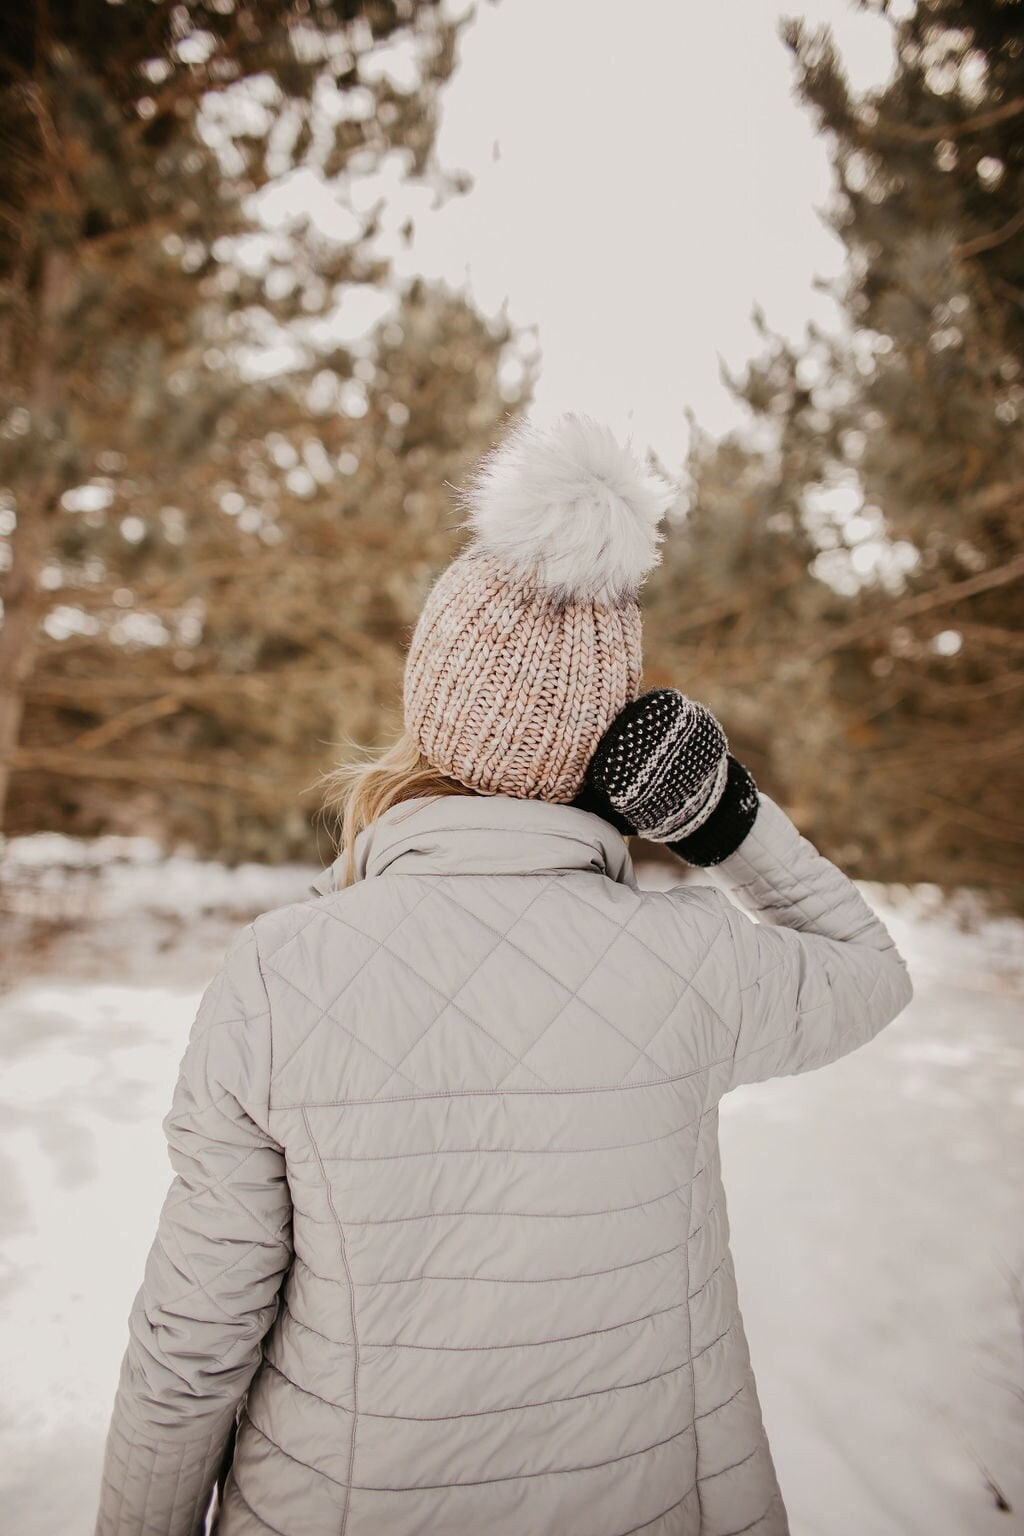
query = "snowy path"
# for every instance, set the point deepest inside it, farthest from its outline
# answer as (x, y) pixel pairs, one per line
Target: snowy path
(875, 1209)
(877, 1224)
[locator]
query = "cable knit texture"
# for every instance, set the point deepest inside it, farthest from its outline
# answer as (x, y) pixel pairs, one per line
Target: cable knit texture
(447, 1238)
(508, 689)
(529, 643)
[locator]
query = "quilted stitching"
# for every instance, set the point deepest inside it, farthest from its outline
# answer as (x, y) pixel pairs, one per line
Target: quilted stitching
(282, 975)
(506, 941)
(447, 1236)
(346, 1266)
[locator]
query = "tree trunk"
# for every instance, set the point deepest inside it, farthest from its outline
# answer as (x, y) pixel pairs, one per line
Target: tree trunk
(36, 510)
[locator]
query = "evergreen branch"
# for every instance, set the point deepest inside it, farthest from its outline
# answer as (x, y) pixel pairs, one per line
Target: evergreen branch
(993, 498)
(166, 595)
(936, 132)
(977, 820)
(922, 603)
(988, 242)
(991, 633)
(1008, 291)
(969, 692)
(901, 762)
(725, 607)
(90, 692)
(159, 771)
(120, 725)
(111, 238)
(188, 83)
(55, 156)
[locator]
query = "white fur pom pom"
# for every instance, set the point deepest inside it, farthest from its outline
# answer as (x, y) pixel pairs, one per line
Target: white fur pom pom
(569, 508)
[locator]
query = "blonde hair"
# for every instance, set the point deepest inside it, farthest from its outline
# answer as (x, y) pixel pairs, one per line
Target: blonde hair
(357, 792)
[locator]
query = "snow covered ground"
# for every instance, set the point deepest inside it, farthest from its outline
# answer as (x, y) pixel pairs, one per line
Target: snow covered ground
(875, 1206)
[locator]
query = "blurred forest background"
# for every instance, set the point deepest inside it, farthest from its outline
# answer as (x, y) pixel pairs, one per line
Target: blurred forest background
(218, 520)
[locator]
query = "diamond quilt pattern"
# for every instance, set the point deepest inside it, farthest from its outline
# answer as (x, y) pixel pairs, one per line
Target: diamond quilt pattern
(446, 1250)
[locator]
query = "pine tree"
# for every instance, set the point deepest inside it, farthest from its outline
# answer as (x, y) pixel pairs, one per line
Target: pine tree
(864, 532)
(219, 517)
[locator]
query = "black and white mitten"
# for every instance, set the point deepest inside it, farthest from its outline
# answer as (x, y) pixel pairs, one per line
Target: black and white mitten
(663, 771)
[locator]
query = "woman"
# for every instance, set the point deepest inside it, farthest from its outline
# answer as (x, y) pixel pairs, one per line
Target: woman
(447, 1249)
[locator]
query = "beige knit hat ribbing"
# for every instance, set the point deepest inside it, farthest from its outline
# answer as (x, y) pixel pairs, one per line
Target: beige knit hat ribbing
(529, 643)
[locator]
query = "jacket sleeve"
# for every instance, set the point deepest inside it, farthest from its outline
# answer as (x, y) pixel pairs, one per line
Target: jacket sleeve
(213, 1274)
(819, 975)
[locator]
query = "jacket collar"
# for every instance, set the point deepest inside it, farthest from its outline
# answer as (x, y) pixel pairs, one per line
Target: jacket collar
(485, 834)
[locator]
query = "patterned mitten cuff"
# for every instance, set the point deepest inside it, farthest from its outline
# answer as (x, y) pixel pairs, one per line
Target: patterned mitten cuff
(728, 824)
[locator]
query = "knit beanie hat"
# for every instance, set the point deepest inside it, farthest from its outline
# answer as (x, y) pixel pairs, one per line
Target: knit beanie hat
(529, 643)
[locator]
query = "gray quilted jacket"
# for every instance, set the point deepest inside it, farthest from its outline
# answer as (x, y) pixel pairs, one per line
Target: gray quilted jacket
(447, 1249)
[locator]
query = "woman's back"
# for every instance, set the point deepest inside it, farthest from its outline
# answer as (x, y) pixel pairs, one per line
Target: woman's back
(492, 1134)
(489, 1071)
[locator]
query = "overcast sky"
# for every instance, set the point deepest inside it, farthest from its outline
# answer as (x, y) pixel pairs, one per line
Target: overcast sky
(654, 179)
